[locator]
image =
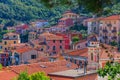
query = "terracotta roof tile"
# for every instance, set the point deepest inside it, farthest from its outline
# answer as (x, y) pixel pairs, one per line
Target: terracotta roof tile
(47, 67)
(82, 52)
(64, 18)
(113, 17)
(23, 50)
(7, 75)
(81, 41)
(50, 36)
(11, 34)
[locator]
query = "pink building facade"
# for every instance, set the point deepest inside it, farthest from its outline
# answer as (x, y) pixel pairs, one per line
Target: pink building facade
(66, 21)
(55, 44)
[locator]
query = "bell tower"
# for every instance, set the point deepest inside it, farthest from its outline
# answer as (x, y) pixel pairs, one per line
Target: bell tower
(93, 53)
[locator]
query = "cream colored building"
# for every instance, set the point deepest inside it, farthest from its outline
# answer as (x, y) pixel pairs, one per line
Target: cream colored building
(8, 39)
(109, 29)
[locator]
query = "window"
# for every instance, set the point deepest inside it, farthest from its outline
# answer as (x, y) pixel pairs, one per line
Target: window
(33, 56)
(53, 41)
(5, 43)
(5, 48)
(60, 47)
(48, 47)
(92, 56)
(97, 57)
(14, 36)
(54, 47)
(86, 44)
(114, 28)
(60, 41)
(79, 46)
(41, 49)
(14, 42)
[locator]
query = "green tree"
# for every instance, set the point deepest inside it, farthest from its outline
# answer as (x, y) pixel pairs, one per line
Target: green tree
(1, 66)
(39, 76)
(114, 43)
(35, 76)
(23, 76)
(75, 39)
(111, 70)
(95, 6)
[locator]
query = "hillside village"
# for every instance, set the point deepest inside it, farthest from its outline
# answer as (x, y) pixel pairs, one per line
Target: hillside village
(59, 51)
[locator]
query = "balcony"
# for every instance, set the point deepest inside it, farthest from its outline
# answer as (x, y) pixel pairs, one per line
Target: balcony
(114, 31)
(114, 37)
(105, 31)
(109, 25)
(105, 37)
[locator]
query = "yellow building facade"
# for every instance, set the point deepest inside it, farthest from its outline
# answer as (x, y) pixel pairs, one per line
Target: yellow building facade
(8, 39)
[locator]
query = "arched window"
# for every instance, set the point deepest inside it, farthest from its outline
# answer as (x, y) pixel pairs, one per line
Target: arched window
(98, 57)
(92, 56)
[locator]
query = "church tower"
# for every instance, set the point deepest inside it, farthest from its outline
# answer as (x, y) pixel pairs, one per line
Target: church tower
(93, 53)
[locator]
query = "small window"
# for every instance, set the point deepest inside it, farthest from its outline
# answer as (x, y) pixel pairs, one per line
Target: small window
(5, 43)
(33, 56)
(92, 56)
(14, 36)
(53, 41)
(60, 47)
(48, 47)
(60, 41)
(79, 46)
(14, 42)
(41, 49)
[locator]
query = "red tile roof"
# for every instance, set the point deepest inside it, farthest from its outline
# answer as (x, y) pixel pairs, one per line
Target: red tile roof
(82, 52)
(64, 18)
(81, 41)
(50, 36)
(23, 49)
(47, 67)
(7, 75)
(113, 17)
(10, 34)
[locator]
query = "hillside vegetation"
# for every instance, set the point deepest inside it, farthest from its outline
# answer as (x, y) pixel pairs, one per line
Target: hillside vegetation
(16, 11)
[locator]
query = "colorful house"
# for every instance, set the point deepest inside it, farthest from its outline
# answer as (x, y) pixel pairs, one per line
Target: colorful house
(66, 39)
(21, 29)
(32, 36)
(66, 21)
(8, 39)
(109, 29)
(4, 58)
(53, 42)
(59, 28)
(69, 14)
(80, 45)
(39, 24)
(24, 54)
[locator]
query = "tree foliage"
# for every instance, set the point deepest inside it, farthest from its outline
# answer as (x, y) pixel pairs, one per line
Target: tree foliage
(1, 66)
(13, 12)
(112, 70)
(78, 27)
(114, 43)
(75, 39)
(35, 76)
(95, 6)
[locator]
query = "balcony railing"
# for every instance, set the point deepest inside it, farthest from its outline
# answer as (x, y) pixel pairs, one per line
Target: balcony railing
(114, 31)
(109, 25)
(105, 37)
(105, 30)
(114, 37)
